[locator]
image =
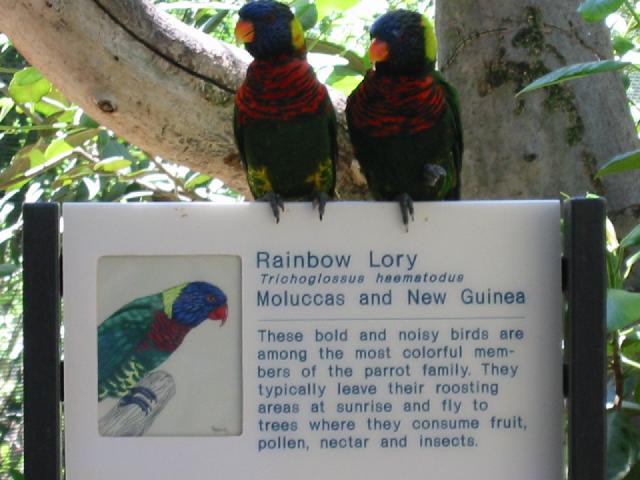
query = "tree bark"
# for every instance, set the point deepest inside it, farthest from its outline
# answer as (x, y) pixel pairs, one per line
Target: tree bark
(158, 83)
(545, 143)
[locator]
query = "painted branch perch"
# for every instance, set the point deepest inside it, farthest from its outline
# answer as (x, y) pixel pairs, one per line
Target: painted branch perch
(131, 420)
(156, 82)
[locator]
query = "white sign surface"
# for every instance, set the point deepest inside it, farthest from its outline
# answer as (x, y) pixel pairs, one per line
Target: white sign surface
(350, 348)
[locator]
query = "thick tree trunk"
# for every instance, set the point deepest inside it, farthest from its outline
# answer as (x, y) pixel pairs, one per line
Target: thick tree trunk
(156, 82)
(543, 143)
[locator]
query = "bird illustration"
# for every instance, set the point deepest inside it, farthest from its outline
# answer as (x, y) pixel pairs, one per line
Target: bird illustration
(142, 334)
(404, 118)
(284, 121)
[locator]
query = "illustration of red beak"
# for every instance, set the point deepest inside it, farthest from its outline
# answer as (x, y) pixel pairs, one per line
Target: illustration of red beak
(220, 313)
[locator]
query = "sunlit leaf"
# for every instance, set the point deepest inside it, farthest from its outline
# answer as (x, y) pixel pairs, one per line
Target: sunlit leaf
(621, 163)
(75, 173)
(596, 10)
(57, 147)
(623, 309)
(29, 86)
(307, 12)
(326, 7)
(572, 72)
(196, 180)
(622, 45)
(26, 159)
(630, 262)
(112, 165)
(6, 105)
(346, 85)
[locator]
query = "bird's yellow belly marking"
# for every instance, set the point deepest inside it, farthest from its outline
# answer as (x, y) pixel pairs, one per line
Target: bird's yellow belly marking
(259, 182)
(322, 178)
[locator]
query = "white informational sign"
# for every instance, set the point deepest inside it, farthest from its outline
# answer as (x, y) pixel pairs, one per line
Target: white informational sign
(206, 341)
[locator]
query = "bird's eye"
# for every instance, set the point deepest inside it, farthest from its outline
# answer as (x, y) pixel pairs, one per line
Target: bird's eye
(270, 18)
(211, 298)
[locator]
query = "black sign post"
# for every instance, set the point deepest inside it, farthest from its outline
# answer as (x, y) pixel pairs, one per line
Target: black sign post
(585, 294)
(41, 297)
(585, 287)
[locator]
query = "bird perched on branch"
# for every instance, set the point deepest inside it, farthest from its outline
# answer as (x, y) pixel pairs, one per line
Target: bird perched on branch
(404, 118)
(142, 334)
(284, 121)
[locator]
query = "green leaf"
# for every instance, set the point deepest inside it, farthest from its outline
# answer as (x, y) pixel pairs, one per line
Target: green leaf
(630, 262)
(622, 45)
(596, 10)
(16, 475)
(306, 11)
(572, 72)
(632, 239)
(112, 165)
(623, 309)
(621, 163)
(57, 147)
(344, 79)
(79, 136)
(26, 159)
(75, 173)
(29, 86)
(6, 105)
(7, 269)
(87, 122)
(196, 180)
(113, 148)
(326, 7)
(623, 445)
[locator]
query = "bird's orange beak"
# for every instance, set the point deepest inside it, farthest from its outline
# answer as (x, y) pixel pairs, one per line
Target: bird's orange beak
(220, 313)
(244, 31)
(378, 51)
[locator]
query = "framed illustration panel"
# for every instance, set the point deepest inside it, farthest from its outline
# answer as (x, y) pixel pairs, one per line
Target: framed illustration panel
(209, 341)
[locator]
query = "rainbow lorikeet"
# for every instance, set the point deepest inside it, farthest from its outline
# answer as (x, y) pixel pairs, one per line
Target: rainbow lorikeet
(142, 334)
(404, 118)
(284, 121)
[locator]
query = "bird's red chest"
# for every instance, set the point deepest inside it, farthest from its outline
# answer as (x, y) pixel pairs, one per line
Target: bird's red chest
(275, 91)
(386, 106)
(165, 334)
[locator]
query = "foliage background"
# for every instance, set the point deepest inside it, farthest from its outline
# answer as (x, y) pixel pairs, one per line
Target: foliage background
(51, 151)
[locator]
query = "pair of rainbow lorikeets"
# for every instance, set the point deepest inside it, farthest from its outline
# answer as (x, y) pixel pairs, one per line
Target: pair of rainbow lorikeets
(404, 124)
(404, 119)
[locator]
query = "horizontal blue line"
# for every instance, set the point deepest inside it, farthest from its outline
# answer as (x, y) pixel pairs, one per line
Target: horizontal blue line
(388, 319)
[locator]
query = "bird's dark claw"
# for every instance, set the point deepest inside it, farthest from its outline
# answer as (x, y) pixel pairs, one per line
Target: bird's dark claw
(276, 203)
(320, 200)
(140, 396)
(406, 209)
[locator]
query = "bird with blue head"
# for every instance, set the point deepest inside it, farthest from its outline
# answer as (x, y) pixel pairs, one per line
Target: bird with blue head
(143, 334)
(284, 121)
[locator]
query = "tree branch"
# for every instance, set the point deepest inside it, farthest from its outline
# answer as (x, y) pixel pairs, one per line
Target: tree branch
(156, 82)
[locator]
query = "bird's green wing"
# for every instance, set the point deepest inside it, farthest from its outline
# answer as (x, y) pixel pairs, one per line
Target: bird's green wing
(333, 134)
(121, 332)
(453, 102)
(238, 134)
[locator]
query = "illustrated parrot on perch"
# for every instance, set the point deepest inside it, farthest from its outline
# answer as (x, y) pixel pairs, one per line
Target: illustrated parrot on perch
(284, 121)
(142, 334)
(404, 118)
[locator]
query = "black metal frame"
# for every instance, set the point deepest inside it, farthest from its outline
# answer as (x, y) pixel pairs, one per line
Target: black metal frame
(584, 284)
(585, 355)
(41, 324)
